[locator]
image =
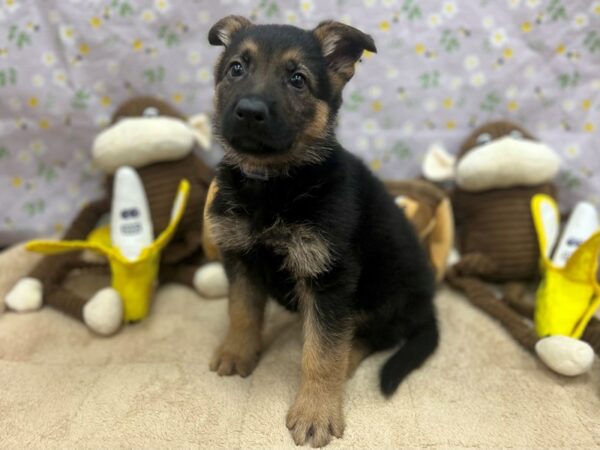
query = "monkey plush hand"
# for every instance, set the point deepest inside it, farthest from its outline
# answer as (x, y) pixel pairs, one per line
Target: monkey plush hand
(159, 143)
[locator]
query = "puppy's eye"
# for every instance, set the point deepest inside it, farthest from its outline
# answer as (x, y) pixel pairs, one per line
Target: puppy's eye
(483, 138)
(298, 80)
(236, 70)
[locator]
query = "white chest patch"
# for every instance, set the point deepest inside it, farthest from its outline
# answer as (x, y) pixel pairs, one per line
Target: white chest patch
(305, 250)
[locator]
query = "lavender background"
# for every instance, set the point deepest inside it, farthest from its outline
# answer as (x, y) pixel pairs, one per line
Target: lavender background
(443, 67)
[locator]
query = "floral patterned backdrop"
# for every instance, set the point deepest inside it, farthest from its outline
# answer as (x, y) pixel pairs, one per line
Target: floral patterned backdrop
(443, 67)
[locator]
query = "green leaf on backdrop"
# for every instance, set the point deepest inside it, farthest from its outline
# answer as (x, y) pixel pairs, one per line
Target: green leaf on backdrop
(490, 102)
(4, 152)
(34, 207)
(592, 41)
(8, 77)
(411, 9)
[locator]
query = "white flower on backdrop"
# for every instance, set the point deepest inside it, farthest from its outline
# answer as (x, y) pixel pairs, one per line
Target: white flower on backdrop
(498, 38)
(478, 79)
(449, 8)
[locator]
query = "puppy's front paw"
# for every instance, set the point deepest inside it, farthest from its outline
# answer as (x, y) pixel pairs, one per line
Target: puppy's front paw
(235, 357)
(314, 420)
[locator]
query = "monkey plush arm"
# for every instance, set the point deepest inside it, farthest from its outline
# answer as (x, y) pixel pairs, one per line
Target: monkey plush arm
(190, 239)
(52, 269)
(190, 244)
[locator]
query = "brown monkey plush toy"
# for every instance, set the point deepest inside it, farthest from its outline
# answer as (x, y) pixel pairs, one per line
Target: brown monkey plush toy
(497, 171)
(159, 142)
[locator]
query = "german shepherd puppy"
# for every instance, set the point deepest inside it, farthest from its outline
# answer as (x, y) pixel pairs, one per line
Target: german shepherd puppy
(298, 218)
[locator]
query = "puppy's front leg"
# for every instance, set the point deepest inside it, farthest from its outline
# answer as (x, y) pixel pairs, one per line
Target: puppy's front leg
(240, 350)
(317, 411)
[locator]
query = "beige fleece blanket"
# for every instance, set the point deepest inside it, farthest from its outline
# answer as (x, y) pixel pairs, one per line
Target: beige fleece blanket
(150, 387)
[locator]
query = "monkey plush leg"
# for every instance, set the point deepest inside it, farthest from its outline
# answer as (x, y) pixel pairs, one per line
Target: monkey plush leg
(482, 296)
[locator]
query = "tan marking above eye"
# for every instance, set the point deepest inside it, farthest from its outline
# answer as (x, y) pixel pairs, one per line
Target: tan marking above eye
(294, 55)
(249, 46)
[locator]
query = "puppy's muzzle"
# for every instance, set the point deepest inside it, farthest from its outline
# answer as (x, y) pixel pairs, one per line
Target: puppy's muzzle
(252, 113)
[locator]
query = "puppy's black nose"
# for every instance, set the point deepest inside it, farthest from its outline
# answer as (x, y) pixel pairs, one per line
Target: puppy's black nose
(251, 110)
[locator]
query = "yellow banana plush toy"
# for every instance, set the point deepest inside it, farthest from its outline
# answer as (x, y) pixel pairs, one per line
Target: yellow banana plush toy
(130, 247)
(569, 293)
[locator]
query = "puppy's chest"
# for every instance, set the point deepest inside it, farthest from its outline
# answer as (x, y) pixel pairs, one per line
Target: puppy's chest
(306, 251)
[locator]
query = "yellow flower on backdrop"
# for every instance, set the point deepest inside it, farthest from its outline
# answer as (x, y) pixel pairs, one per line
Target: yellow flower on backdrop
(376, 165)
(95, 22)
(84, 48)
(177, 97)
(512, 106)
(526, 27)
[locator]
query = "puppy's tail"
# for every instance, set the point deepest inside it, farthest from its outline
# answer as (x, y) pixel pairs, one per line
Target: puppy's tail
(409, 357)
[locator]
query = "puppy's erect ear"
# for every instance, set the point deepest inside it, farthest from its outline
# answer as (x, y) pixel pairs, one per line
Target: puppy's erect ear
(223, 31)
(342, 46)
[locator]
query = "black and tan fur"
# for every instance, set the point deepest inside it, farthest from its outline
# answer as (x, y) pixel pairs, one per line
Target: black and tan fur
(298, 218)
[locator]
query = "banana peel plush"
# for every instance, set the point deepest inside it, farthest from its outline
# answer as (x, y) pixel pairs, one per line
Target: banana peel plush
(569, 293)
(132, 252)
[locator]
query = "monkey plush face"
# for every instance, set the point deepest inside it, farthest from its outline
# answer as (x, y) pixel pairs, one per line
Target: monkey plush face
(496, 155)
(146, 131)
(501, 155)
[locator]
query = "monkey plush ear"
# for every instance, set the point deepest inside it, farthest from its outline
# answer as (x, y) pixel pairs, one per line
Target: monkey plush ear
(223, 31)
(438, 164)
(342, 46)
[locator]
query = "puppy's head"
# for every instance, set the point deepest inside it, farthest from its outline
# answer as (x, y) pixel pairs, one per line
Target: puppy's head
(278, 89)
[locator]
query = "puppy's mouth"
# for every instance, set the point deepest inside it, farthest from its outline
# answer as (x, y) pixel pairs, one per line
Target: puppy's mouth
(252, 145)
